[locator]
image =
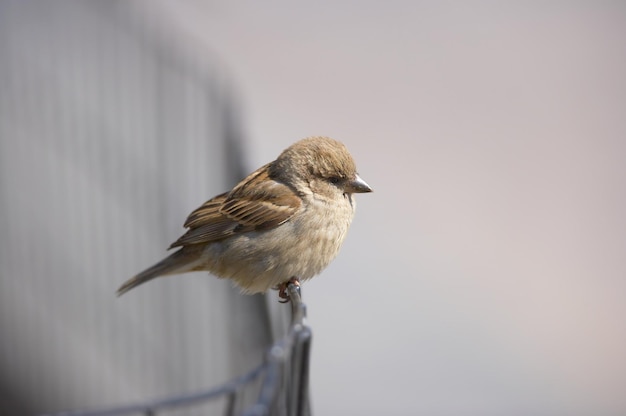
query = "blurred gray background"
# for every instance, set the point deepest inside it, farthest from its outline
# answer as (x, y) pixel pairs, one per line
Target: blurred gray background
(484, 276)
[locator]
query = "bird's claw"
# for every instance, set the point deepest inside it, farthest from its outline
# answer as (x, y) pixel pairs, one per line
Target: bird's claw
(282, 289)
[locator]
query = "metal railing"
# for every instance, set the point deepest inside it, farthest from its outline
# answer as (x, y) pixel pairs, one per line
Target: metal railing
(284, 389)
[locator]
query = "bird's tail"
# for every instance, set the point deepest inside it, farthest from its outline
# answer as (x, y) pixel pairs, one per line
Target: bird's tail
(184, 260)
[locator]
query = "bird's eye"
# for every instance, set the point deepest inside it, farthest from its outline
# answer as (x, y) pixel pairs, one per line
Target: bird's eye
(334, 180)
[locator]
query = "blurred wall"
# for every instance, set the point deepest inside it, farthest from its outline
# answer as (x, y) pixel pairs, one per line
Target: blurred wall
(112, 129)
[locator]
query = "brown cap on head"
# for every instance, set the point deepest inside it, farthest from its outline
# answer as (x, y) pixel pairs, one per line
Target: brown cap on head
(321, 157)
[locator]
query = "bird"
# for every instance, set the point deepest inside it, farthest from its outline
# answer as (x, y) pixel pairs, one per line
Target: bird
(284, 223)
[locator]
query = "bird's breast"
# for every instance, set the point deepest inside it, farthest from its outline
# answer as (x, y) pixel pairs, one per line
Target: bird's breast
(301, 247)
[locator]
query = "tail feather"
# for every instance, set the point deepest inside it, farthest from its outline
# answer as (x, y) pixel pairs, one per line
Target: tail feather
(182, 261)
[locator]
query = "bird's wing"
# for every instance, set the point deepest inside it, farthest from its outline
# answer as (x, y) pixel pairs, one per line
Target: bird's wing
(256, 203)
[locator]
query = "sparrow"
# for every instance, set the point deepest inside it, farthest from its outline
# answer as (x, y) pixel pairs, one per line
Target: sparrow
(283, 223)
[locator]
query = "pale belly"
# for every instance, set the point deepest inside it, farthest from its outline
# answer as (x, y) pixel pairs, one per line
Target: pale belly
(302, 248)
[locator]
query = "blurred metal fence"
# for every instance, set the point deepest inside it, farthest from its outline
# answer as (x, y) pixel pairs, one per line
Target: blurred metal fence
(114, 125)
(284, 390)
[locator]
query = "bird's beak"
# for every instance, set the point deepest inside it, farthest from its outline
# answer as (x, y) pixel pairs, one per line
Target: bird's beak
(357, 186)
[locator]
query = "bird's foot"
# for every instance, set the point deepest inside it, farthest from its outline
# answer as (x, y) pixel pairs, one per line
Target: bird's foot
(282, 289)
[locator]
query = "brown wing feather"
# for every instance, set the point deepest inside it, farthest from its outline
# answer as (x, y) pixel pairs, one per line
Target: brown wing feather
(206, 212)
(256, 203)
